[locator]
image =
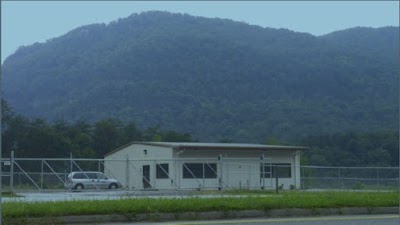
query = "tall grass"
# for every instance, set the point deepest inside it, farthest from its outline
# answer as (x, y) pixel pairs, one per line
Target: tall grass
(131, 207)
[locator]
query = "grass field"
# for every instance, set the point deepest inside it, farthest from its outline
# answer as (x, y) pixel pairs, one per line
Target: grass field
(255, 200)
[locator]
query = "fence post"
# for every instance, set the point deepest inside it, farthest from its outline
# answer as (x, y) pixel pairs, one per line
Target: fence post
(41, 177)
(204, 175)
(180, 171)
(127, 172)
(263, 172)
(71, 164)
(221, 174)
(377, 178)
(276, 179)
(302, 177)
(153, 174)
(12, 172)
(340, 180)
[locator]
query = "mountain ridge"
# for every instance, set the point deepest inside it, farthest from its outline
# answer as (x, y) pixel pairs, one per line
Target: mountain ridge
(213, 78)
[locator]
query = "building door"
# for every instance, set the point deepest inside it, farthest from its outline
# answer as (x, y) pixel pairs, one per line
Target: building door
(146, 176)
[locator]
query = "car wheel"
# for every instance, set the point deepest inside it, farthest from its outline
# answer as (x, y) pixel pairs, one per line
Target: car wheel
(79, 187)
(113, 186)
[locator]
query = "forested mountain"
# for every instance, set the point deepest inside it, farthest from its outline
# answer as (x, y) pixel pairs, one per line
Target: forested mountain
(212, 78)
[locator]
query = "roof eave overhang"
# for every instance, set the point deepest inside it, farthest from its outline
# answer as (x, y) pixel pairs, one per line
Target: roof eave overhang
(240, 148)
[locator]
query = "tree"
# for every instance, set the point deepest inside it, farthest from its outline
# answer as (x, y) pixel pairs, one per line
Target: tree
(152, 133)
(106, 136)
(378, 157)
(272, 141)
(131, 133)
(173, 136)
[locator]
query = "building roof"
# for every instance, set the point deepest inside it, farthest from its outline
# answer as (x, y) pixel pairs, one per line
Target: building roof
(219, 146)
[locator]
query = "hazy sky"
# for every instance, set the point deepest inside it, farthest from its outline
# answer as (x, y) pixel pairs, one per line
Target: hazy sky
(27, 22)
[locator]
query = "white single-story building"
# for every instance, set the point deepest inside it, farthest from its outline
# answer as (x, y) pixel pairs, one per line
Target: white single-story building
(174, 165)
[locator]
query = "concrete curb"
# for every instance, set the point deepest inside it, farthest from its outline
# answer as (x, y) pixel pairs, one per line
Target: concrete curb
(213, 215)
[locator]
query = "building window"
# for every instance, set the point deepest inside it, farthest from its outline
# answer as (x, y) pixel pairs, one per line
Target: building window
(210, 170)
(199, 170)
(162, 171)
(284, 170)
(192, 170)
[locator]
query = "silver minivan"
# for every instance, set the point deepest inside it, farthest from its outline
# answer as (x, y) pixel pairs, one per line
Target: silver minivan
(90, 179)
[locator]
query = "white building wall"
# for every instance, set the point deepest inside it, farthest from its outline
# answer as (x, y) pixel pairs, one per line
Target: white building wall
(239, 168)
(236, 169)
(126, 165)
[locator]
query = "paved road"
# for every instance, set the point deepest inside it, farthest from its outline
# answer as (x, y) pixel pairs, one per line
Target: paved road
(326, 220)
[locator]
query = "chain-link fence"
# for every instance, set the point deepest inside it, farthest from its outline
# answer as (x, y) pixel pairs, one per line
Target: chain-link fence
(180, 174)
(349, 178)
(41, 174)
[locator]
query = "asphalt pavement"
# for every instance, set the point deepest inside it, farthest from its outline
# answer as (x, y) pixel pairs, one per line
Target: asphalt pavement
(322, 220)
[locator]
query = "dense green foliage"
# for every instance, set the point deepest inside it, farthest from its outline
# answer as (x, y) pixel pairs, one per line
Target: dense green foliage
(213, 78)
(378, 148)
(37, 138)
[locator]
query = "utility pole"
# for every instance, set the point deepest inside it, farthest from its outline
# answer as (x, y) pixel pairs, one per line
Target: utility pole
(1, 134)
(398, 182)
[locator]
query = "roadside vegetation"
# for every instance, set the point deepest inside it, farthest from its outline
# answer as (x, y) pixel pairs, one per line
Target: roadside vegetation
(8, 194)
(256, 201)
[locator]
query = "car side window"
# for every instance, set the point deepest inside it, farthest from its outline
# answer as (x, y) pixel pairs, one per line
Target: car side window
(91, 175)
(79, 176)
(101, 176)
